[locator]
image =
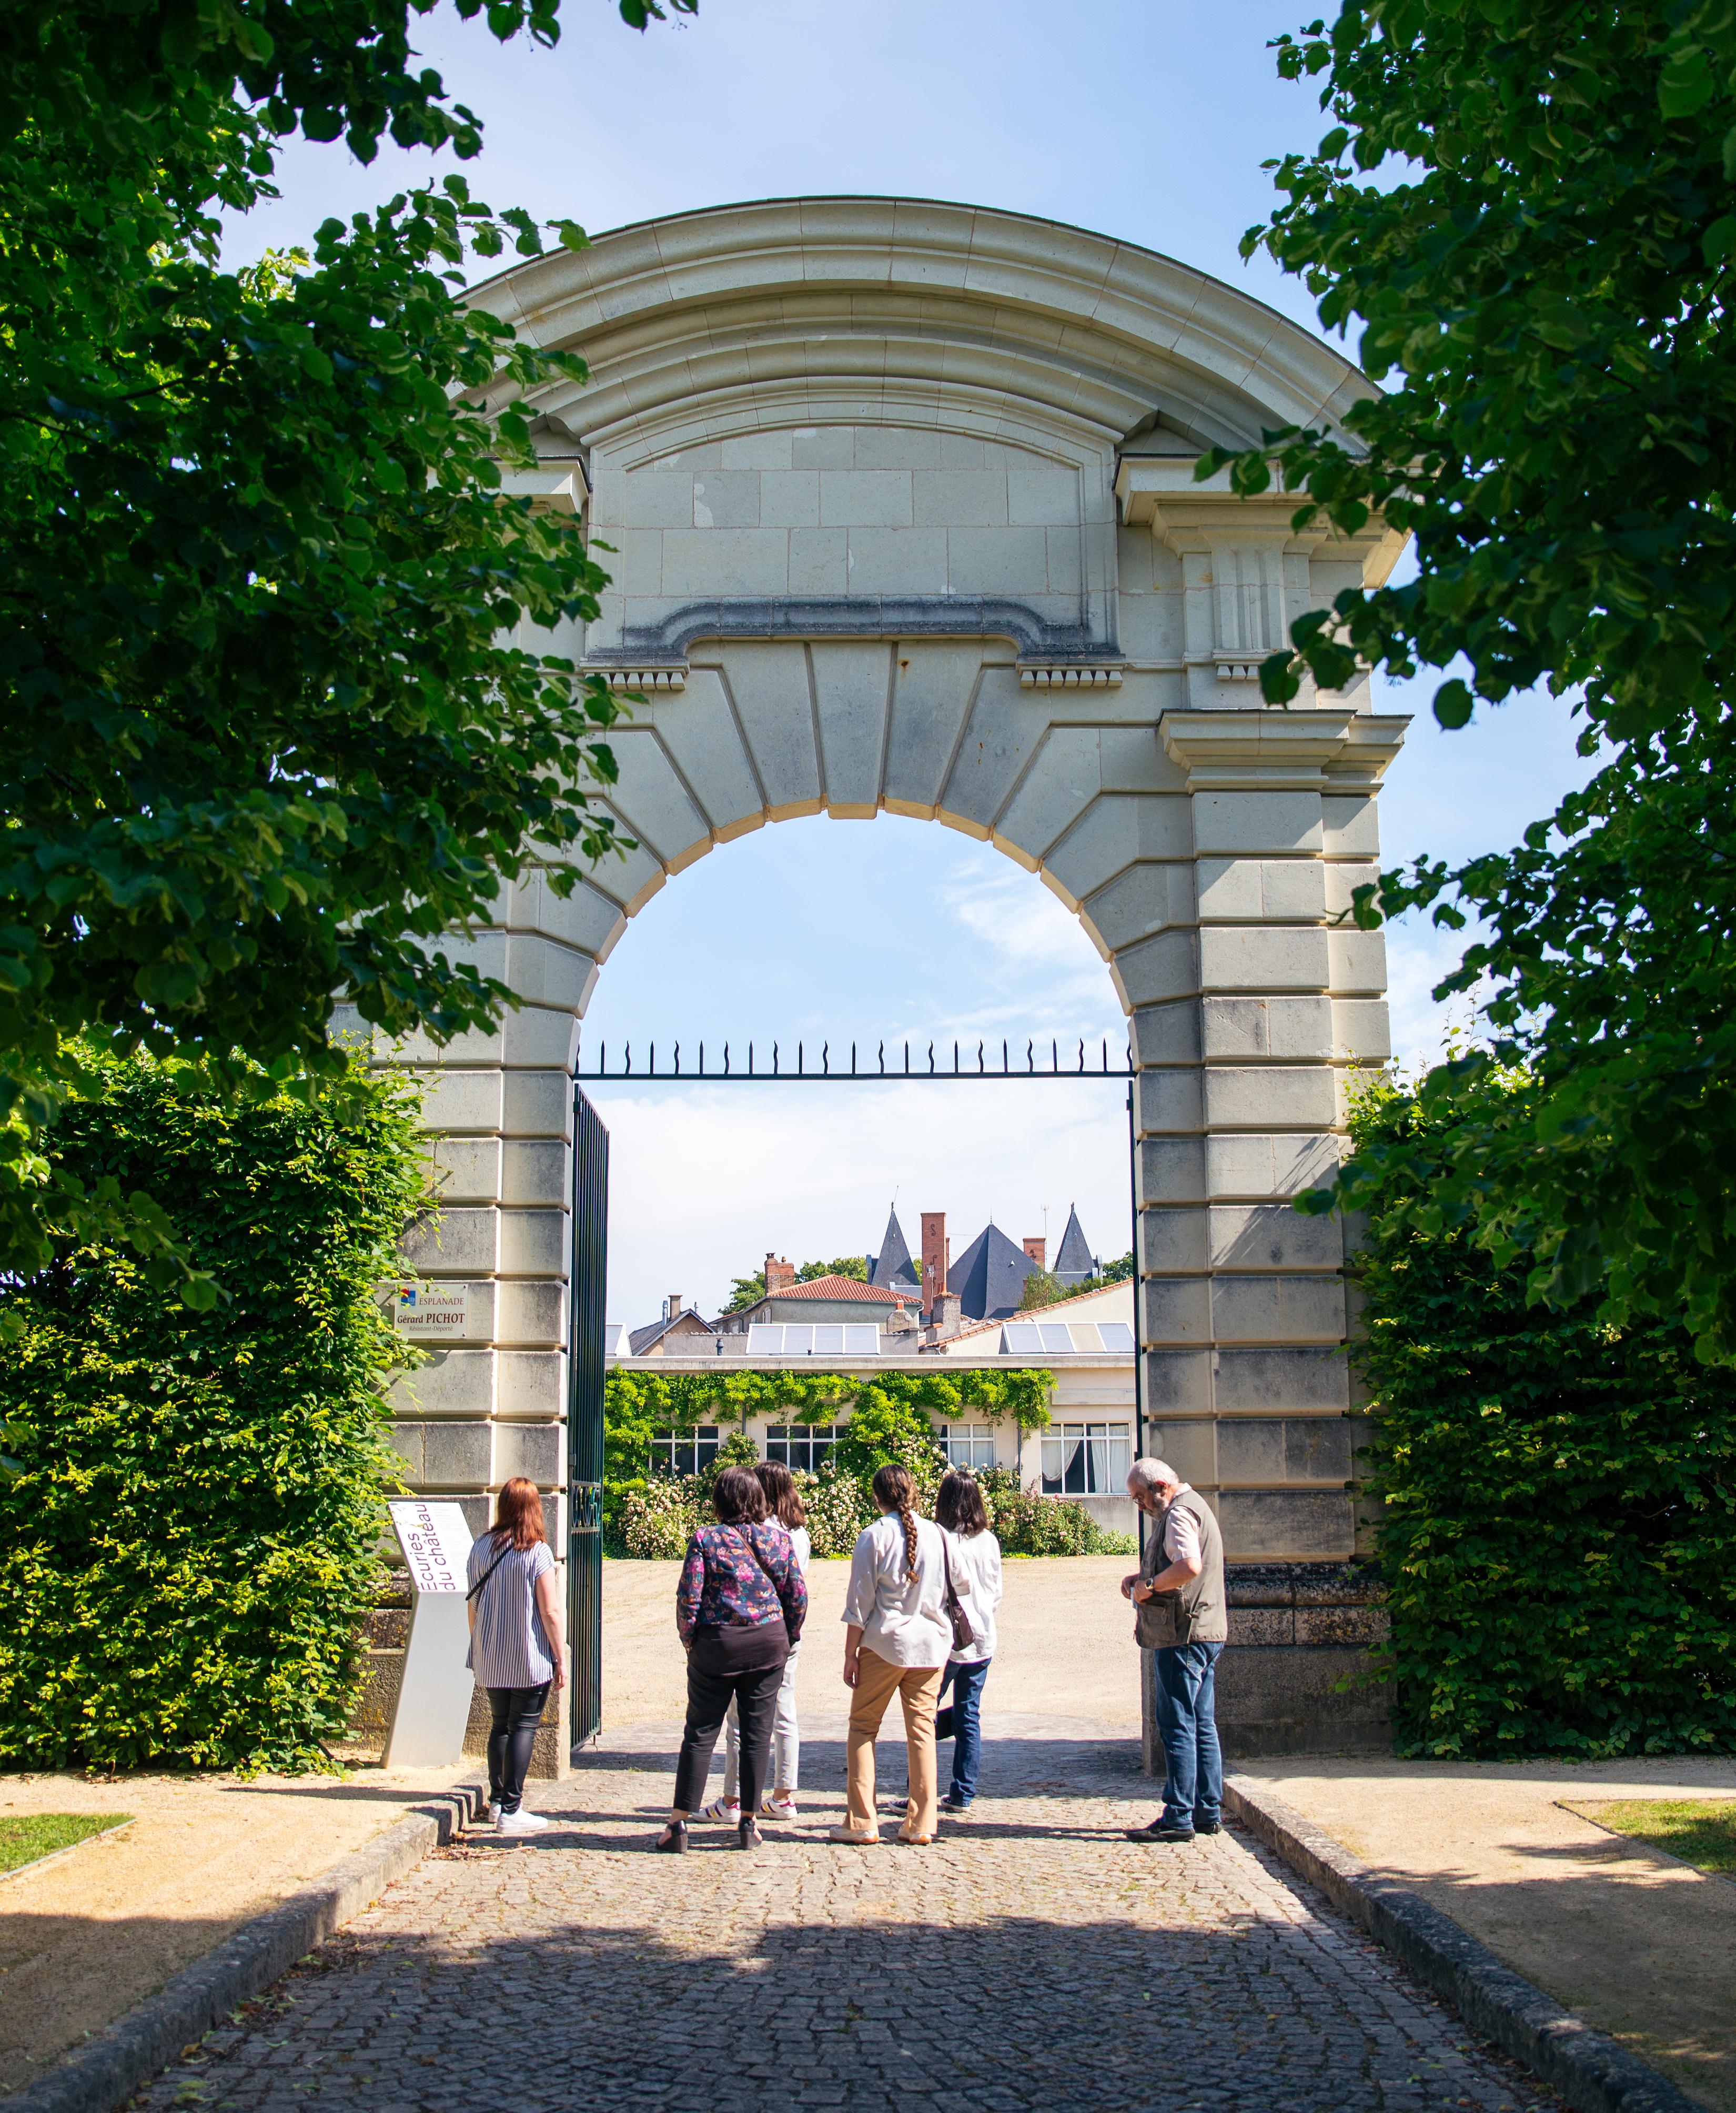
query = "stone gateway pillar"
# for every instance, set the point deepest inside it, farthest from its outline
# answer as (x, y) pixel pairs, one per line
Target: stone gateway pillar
(903, 518)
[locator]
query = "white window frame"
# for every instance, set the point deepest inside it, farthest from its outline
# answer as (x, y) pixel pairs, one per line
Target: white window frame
(1087, 1459)
(675, 1453)
(802, 1447)
(969, 1446)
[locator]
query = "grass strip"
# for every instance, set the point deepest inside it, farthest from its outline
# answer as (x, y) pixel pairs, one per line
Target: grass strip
(37, 1834)
(1701, 1831)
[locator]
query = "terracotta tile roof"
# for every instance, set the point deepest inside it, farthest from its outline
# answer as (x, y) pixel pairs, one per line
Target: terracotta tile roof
(844, 1287)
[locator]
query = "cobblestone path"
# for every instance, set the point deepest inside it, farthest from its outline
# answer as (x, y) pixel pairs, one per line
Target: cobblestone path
(1031, 1958)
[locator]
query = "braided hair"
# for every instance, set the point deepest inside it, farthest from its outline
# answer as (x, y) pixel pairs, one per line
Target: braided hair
(895, 1490)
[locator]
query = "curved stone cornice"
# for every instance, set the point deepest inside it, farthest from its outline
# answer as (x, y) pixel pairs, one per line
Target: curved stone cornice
(696, 314)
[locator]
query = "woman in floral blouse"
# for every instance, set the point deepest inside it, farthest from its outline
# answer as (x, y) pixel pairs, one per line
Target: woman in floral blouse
(740, 1605)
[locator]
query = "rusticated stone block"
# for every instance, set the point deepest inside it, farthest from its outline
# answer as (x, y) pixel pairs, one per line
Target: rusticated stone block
(1289, 1699)
(1262, 1625)
(1365, 1626)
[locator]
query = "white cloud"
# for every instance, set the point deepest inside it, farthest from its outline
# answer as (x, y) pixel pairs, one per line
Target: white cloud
(703, 1180)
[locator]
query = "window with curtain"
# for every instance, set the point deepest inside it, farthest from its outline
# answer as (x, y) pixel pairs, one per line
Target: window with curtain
(1086, 1459)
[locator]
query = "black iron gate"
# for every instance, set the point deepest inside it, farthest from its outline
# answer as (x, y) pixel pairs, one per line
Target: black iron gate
(585, 1414)
(590, 1267)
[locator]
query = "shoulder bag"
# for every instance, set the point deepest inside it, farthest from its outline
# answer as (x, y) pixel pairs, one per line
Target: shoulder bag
(964, 1637)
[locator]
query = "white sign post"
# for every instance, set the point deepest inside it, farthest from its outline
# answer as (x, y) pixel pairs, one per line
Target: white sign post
(434, 1696)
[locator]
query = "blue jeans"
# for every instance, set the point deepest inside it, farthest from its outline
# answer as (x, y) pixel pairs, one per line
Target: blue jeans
(1187, 1680)
(962, 1724)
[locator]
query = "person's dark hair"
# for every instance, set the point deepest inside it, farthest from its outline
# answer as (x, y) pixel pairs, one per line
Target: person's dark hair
(738, 1499)
(518, 1514)
(895, 1490)
(783, 1503)
(959, 1505)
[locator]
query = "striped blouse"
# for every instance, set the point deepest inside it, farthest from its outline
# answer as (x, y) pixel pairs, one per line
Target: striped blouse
(508, 1645)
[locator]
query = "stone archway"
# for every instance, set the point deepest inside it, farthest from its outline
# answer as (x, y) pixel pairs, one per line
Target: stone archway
(902, 505)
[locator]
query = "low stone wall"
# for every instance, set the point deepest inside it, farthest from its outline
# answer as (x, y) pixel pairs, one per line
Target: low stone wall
(1299, 1632)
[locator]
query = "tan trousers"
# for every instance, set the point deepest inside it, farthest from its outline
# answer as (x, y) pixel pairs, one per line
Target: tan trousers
(919, 1688)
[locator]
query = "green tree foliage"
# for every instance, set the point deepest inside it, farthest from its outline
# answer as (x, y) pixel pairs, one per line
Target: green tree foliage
(192, 1537)
(1043, 1289)
(1556, 1496)
(281, 668)
(1529, 207)
(749, 1290)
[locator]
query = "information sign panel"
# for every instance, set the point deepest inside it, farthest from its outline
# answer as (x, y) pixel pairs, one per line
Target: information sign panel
(430, 1311)
(434, 1696)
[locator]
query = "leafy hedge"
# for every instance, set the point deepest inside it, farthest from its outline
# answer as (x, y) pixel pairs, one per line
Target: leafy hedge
(1557, 1499)
(192, 1538)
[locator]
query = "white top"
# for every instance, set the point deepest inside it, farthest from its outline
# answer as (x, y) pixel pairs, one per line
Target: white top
(976, 1578)
(1181, 1531)
(508, 1646)
(902, 1620)
(802, 1541)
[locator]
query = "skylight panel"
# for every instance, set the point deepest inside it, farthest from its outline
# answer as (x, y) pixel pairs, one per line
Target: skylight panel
(829, 1339)
(1117, 1335)
(765, 1338)
(861, 1339)
(1019, 1336)
(1054, 1337)
(1085, 1335)
(798, 1342)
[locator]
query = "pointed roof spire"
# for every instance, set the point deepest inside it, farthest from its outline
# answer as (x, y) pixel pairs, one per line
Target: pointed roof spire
(989, 1277)
(1074, 1261)
(892, 1266)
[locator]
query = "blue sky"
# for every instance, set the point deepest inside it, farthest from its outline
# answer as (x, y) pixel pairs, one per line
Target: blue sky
(1148, 122)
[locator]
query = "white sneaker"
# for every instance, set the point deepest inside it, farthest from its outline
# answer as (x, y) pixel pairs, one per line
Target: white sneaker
(779, 1808)
(726, 1811)
(521, 1822)
(490, 1816)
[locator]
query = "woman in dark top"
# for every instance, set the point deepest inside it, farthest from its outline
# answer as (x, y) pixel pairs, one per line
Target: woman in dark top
(740, 1605)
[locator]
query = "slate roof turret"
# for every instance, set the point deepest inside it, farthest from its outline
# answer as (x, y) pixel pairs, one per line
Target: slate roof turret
(989, 1277)
(892, 1266)
(1074, 1262)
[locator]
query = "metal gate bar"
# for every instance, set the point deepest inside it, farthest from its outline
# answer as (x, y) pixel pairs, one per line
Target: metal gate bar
(585, 1415)
(1079, 1062)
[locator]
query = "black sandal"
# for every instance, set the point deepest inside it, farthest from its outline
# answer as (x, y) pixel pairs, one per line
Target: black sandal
(748, 1835)
(673, 1841)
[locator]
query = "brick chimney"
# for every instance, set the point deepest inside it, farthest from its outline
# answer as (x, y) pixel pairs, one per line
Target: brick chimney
(936, 1257)
(672, 1307)
(780, 1275)
(1037, 1247)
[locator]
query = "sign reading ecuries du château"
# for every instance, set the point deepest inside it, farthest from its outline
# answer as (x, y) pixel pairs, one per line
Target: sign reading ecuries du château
(436, 1542)
(432, 1311)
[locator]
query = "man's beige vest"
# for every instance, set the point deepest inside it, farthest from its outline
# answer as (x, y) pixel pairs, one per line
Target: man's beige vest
(1197, 1612)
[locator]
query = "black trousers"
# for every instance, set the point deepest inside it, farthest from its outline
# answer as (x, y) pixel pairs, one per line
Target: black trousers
(745, 1665)
(516, 1713)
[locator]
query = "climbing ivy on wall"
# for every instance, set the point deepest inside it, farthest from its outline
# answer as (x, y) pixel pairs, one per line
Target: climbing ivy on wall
(639, 1405)
(1556, 1497)
(191, 1536)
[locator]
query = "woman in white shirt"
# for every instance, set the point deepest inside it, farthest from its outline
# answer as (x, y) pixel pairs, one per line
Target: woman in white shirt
(896, 1639)
(975, 1556)
(786, 1507)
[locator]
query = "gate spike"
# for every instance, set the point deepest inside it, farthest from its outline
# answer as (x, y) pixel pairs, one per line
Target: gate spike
(678, 1060)
(825, 1059)
(979, 1059)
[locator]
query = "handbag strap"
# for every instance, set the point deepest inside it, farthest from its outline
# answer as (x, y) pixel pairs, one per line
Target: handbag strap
(488, 1573)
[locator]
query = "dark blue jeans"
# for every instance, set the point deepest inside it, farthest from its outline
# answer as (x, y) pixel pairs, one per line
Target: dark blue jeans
(962, 1724)
(1186, 1682)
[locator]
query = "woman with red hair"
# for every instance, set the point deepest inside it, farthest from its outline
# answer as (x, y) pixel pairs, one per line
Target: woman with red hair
(517, 1648)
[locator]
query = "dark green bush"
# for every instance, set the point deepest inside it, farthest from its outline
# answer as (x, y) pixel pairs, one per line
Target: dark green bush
(192, 1539)
(1557, 1500)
